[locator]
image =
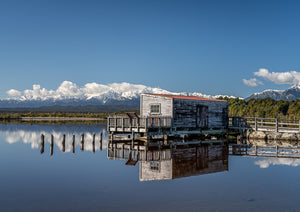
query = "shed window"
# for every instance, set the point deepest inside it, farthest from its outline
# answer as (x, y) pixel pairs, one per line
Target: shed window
(154, 166)
(155, 109)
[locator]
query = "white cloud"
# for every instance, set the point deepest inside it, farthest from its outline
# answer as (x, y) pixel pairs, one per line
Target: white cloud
(291, 77)
(13, 92)
(69, 89)
(252, 82)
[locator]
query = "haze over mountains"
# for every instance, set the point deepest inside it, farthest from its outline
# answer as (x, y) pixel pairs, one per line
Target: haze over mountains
(93, 94)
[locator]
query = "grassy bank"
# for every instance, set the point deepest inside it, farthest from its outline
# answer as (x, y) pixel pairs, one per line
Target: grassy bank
(57, 116)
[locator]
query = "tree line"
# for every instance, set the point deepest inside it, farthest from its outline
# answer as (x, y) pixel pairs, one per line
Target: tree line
(263, 108)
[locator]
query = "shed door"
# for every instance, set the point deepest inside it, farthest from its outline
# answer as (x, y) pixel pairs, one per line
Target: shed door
(202, 116)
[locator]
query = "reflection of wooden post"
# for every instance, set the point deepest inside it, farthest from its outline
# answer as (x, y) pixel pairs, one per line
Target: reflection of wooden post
(132, 140)
(51, 145)
(276, 125)
(101, 141)
(64, 143)
(82, 142)
(42, 143)
(93, 143)
(73, 144)
(276, 150)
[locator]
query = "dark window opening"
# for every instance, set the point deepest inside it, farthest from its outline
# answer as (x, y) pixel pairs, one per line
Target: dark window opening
(155, 109)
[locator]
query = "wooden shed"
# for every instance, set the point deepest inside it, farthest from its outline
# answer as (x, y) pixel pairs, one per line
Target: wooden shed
(186, 111)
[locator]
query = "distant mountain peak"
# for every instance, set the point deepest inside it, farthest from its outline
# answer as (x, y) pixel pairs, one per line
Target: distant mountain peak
(289, 94)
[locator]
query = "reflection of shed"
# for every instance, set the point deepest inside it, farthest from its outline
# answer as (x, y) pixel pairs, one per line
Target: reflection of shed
(186, 162)
(186, 111)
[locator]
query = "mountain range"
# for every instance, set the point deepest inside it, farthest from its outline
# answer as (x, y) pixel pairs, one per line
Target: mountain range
(70, 95)
(92, 94)
(289, 94)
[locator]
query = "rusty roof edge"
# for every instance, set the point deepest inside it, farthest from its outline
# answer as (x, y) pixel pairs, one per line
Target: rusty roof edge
(185, 97)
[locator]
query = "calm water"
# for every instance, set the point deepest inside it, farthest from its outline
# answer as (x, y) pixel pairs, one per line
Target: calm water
(87, 181)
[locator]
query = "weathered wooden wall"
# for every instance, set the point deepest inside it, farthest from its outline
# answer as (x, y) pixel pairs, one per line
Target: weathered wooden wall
(185, 112)
(199, 160)
(186, 162)
(166, 105)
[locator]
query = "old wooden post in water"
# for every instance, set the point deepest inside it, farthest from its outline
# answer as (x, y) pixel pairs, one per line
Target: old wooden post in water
(42, 143)
(100, 141)
(73, 144)
(64, 143)
(93, 143)
(51, 145)
(82, 142)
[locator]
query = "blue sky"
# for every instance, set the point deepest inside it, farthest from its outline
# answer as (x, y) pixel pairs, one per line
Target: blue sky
(178, 45)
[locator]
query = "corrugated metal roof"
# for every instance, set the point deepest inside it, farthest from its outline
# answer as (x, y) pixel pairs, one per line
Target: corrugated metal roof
(187, 97)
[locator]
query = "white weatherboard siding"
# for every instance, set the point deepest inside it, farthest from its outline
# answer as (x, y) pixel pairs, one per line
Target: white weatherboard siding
(166, 105)
(164, 171)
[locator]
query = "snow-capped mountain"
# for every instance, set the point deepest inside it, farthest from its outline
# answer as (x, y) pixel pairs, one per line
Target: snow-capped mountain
(69, 94)
(289, 94)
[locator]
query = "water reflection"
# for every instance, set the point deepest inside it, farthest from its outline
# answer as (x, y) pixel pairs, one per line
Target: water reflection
(288, 153)
(266, 163)
(172, 162)
(155, 162)
(65, 137)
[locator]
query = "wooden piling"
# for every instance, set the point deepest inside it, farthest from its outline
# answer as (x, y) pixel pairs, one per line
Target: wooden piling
(51, 145)
(64, 143)
(132, 140)
(73, 144)
(82, 142)
(42, 143)
(93, 142)
(101, 141)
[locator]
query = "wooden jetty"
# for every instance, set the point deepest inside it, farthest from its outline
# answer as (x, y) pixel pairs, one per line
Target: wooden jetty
(264, 124)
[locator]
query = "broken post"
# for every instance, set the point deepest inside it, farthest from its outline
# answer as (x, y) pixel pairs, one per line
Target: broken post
(93, 143)
(64, 143)
(42, 143)
(51, 145)
(73, 144)
(82, 142)
(101, 141)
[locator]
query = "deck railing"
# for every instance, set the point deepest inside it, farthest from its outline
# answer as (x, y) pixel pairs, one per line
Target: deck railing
(264, 124)
(122, 123)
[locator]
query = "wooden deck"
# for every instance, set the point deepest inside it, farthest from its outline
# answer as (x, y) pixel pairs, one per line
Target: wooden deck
(126, 124)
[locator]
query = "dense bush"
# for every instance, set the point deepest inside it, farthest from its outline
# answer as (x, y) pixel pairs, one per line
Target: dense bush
(264, 108)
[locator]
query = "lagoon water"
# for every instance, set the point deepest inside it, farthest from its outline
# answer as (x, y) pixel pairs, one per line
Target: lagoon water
(87, 181)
